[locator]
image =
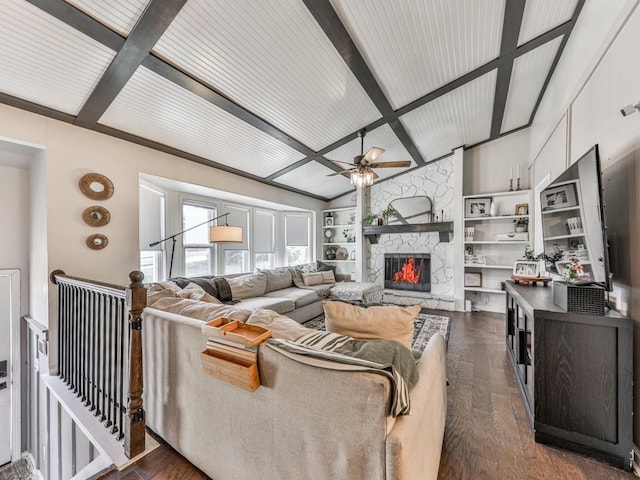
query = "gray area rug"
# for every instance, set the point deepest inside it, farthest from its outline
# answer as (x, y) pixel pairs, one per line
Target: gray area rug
(20, 470)
(425, 326)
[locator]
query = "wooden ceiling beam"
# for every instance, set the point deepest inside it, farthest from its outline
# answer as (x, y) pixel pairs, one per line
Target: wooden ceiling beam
(513, 13)
(330, 22)
(150, 27)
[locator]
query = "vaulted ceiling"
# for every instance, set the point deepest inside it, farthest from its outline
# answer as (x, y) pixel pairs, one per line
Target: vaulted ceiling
(274, 90)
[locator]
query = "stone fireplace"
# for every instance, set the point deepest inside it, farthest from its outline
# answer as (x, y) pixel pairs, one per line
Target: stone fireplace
(407, 271)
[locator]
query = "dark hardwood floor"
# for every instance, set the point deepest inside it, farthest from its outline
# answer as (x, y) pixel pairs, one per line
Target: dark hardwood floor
(487, 433)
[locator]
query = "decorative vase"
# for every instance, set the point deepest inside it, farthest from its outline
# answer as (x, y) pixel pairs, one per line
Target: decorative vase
(521, 229)
(493, 210)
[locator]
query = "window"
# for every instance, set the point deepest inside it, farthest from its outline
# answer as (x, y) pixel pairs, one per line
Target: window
(150, 265)
(264, 239)
(297, 232)
(199, 254)
(235, 256)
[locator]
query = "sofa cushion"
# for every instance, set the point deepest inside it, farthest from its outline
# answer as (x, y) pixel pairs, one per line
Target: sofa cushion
(280, 326)
(328, 276)
(201, 310)
(378, 322)
(279, 305)
(247, 286)
(277, 278)
(300, 296)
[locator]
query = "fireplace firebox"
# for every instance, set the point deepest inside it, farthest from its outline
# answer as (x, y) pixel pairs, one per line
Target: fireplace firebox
(407, 271)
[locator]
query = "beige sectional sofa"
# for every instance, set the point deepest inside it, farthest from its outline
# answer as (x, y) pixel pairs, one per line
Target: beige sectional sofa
(312, 422)
(275, 289)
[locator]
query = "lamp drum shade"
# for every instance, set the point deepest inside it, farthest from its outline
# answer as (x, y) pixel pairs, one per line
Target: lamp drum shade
(225, 233)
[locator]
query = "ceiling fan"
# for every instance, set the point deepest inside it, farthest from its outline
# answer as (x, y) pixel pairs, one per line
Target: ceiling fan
(361, 173)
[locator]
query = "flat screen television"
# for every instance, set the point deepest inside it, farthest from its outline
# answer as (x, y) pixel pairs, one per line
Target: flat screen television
(573, 220)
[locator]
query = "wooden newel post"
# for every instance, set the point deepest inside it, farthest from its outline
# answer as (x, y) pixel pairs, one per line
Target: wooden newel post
(134, 422)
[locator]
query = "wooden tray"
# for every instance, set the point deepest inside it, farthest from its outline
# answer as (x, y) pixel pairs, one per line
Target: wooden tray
(533, 280)
(236, 371)
(235, 331)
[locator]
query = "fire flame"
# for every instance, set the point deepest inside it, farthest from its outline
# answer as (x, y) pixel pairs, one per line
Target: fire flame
(408, 272)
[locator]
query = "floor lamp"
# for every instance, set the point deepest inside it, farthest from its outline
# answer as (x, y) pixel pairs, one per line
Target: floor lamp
(217, 234)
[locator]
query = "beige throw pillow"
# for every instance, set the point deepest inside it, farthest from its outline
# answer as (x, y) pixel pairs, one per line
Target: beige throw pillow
(381, 322)
(247, 286)
(312, 278)
(328, 276)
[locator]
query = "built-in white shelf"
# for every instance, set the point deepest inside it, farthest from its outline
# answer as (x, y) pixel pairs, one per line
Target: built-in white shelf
(498, 242)
(496, 267)
(339, 243)
(497, 217)
(346, 225)
(484, 289)
(499, 194)
(560, 237)
(558, 210)
(338, 261)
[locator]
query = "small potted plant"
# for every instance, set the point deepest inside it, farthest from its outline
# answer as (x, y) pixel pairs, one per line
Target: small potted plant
(330, 253)
(521, 224)
(388, 212)
(369, 219)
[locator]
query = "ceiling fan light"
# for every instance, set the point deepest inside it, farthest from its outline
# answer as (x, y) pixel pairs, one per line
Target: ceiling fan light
(361, 180)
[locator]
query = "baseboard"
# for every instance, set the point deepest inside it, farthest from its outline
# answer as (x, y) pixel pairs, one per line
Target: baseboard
(636, 461)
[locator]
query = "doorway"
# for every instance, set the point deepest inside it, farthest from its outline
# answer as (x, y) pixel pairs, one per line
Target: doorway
(9, 365)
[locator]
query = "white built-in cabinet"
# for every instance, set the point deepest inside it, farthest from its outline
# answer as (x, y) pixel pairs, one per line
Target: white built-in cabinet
(489, 258)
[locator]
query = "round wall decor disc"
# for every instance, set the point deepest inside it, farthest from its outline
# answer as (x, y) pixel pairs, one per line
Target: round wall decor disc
(96, 216)
(97, 241)
(96, 186)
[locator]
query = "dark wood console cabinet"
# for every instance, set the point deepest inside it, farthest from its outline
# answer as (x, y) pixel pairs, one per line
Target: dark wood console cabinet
(574, 372)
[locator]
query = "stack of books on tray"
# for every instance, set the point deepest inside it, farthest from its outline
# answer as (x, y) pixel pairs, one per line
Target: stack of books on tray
(232, 351)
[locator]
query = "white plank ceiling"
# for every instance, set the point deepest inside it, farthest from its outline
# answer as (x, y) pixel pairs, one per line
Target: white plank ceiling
(276, 90)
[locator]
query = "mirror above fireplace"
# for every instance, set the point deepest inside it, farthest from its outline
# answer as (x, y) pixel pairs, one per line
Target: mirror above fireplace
(410, 210)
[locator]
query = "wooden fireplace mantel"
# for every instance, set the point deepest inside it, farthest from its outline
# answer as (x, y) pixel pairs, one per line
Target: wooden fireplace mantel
(445, 230)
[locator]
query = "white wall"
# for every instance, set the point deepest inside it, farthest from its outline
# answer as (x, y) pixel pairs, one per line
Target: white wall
(597, 76)
(488, 167)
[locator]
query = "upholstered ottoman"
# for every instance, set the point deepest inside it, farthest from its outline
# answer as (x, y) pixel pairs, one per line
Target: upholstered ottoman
(357, 291)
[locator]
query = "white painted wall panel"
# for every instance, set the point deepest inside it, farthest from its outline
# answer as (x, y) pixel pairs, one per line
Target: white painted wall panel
(274, 59)
(119, 15)
(45, 61)
(542, 15)
(529, 74)
(416, 46)
(155, 108)
(460, 117)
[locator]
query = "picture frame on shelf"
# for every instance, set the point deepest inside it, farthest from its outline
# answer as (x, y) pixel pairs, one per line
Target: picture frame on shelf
(328, 221)
(522, 209)
(563, 196)
(526, 269)
(477, 207)
(473, 279)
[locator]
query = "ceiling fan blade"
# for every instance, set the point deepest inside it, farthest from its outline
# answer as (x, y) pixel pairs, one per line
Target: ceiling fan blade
(399, 164)
(373, 154)
(343, 163)
(341, 172)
